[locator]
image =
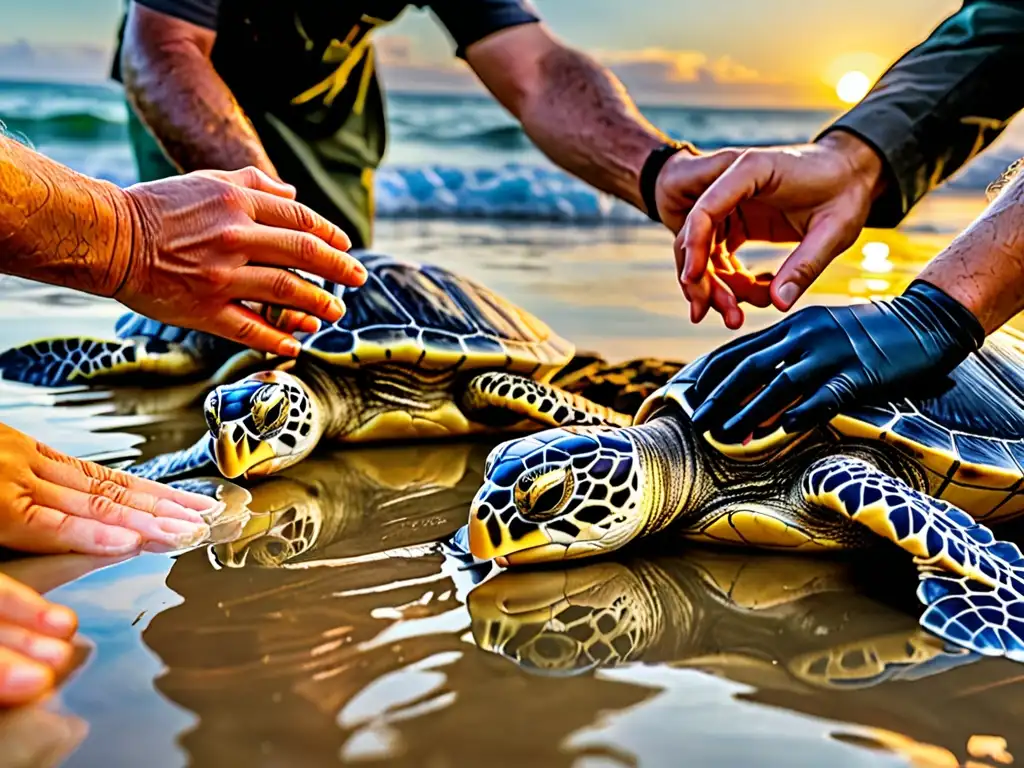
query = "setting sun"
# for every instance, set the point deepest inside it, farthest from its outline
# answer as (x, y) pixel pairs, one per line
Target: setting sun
(853, 86)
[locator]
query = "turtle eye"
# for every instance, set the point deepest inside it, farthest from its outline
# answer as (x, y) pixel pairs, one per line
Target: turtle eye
(274, 413)
(541, 497)
(269, 410)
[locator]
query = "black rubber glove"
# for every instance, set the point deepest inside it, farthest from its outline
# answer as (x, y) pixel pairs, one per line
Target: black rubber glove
(829, 358)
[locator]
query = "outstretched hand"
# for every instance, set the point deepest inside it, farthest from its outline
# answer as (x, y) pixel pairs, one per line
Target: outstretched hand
(51, 503)
(207, 241)
(723, 282)
(816, 194)
(808, 367)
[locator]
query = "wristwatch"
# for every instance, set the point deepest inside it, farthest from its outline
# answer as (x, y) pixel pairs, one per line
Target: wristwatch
(652, 167)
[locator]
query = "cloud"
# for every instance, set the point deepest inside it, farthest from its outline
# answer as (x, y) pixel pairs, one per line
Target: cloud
(23, 60)
(657, 75)
(665, 66)
(402, 70)
(652, 76)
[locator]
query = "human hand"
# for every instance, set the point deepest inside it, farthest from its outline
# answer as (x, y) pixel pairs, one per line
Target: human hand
(816, 194)
(725, 281)
(52, 503)
(806, 368)
(35, 642)
(209, 240)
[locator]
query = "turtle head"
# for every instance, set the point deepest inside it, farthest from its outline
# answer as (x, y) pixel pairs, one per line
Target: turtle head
(558, 495)
(263, 424)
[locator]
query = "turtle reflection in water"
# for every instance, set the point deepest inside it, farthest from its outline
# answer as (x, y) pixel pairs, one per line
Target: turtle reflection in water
(277, 631)
(908, 470)
(367, 503)
(802, 632)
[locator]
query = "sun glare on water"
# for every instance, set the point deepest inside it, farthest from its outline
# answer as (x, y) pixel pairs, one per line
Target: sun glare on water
(853, 86)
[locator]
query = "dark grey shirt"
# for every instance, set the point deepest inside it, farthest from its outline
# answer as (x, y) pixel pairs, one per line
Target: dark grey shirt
(943, 102)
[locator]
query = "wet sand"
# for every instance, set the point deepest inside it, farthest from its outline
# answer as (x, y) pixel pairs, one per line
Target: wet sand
(298, 645)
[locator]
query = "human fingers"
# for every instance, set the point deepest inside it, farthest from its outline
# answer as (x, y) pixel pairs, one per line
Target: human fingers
(50, 531)
(102, 508)
(190, 502)
(723, 300)
(240, 324)
(50, 651)
(23, 606)
(252, 178)
(67, 475)
(817, 409)
(747, 287)
(287, 214)
(277, 246)
(788, 387)
(22, 679)
(742, 382)
(290, 320)
(282, 288)
(740, 182)
(721, 364)
(825, 239)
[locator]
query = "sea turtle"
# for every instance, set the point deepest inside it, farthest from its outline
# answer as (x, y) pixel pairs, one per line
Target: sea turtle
(913, 470)
(784, 621)
(421, 352)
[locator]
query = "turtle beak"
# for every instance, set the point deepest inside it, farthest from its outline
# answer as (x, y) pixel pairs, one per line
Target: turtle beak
(237, 452)
(492, 540)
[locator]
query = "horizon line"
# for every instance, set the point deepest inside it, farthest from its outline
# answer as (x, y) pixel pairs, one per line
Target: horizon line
(110, 84)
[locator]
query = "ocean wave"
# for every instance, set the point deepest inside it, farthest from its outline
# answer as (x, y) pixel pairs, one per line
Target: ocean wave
(509, 192)
(449, 157)
(541, 193)
(69, 126)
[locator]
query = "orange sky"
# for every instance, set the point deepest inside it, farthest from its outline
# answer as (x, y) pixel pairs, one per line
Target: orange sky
(715, 52)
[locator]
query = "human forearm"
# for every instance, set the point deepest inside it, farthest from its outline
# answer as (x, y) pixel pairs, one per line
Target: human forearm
(983, 268)
(177, 93)
(942, 103)
(580, 116)
(59, 227)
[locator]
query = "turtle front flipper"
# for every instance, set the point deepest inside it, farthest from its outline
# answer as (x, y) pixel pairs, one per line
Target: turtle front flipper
(541, 403)
(178, 463)
(79, 360)
(141, 347)
(971, 583)
(624, 386)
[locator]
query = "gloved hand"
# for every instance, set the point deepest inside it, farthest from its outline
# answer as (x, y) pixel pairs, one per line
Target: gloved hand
(822, 359)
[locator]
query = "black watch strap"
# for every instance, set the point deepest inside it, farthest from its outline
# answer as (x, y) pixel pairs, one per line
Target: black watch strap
(649, 174)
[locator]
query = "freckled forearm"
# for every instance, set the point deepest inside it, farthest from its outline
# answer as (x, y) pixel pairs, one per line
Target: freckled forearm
(983, 268)
(583, 119)
(190, 111)
(60, 227)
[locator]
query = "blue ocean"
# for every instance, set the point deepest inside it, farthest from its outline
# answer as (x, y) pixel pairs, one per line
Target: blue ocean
(450, 157)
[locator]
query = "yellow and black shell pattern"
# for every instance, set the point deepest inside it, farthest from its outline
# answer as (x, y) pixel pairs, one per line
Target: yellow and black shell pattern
(431, 318)
(965, 433)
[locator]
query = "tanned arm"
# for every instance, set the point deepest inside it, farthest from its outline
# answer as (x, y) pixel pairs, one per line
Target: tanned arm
(574, 110)
(983, 268)
(172, 85)
(59, 227)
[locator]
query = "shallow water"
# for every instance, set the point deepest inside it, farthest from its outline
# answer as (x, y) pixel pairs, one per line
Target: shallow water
(299, 644)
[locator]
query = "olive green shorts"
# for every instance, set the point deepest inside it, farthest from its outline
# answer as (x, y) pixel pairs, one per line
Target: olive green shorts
(341, 193)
